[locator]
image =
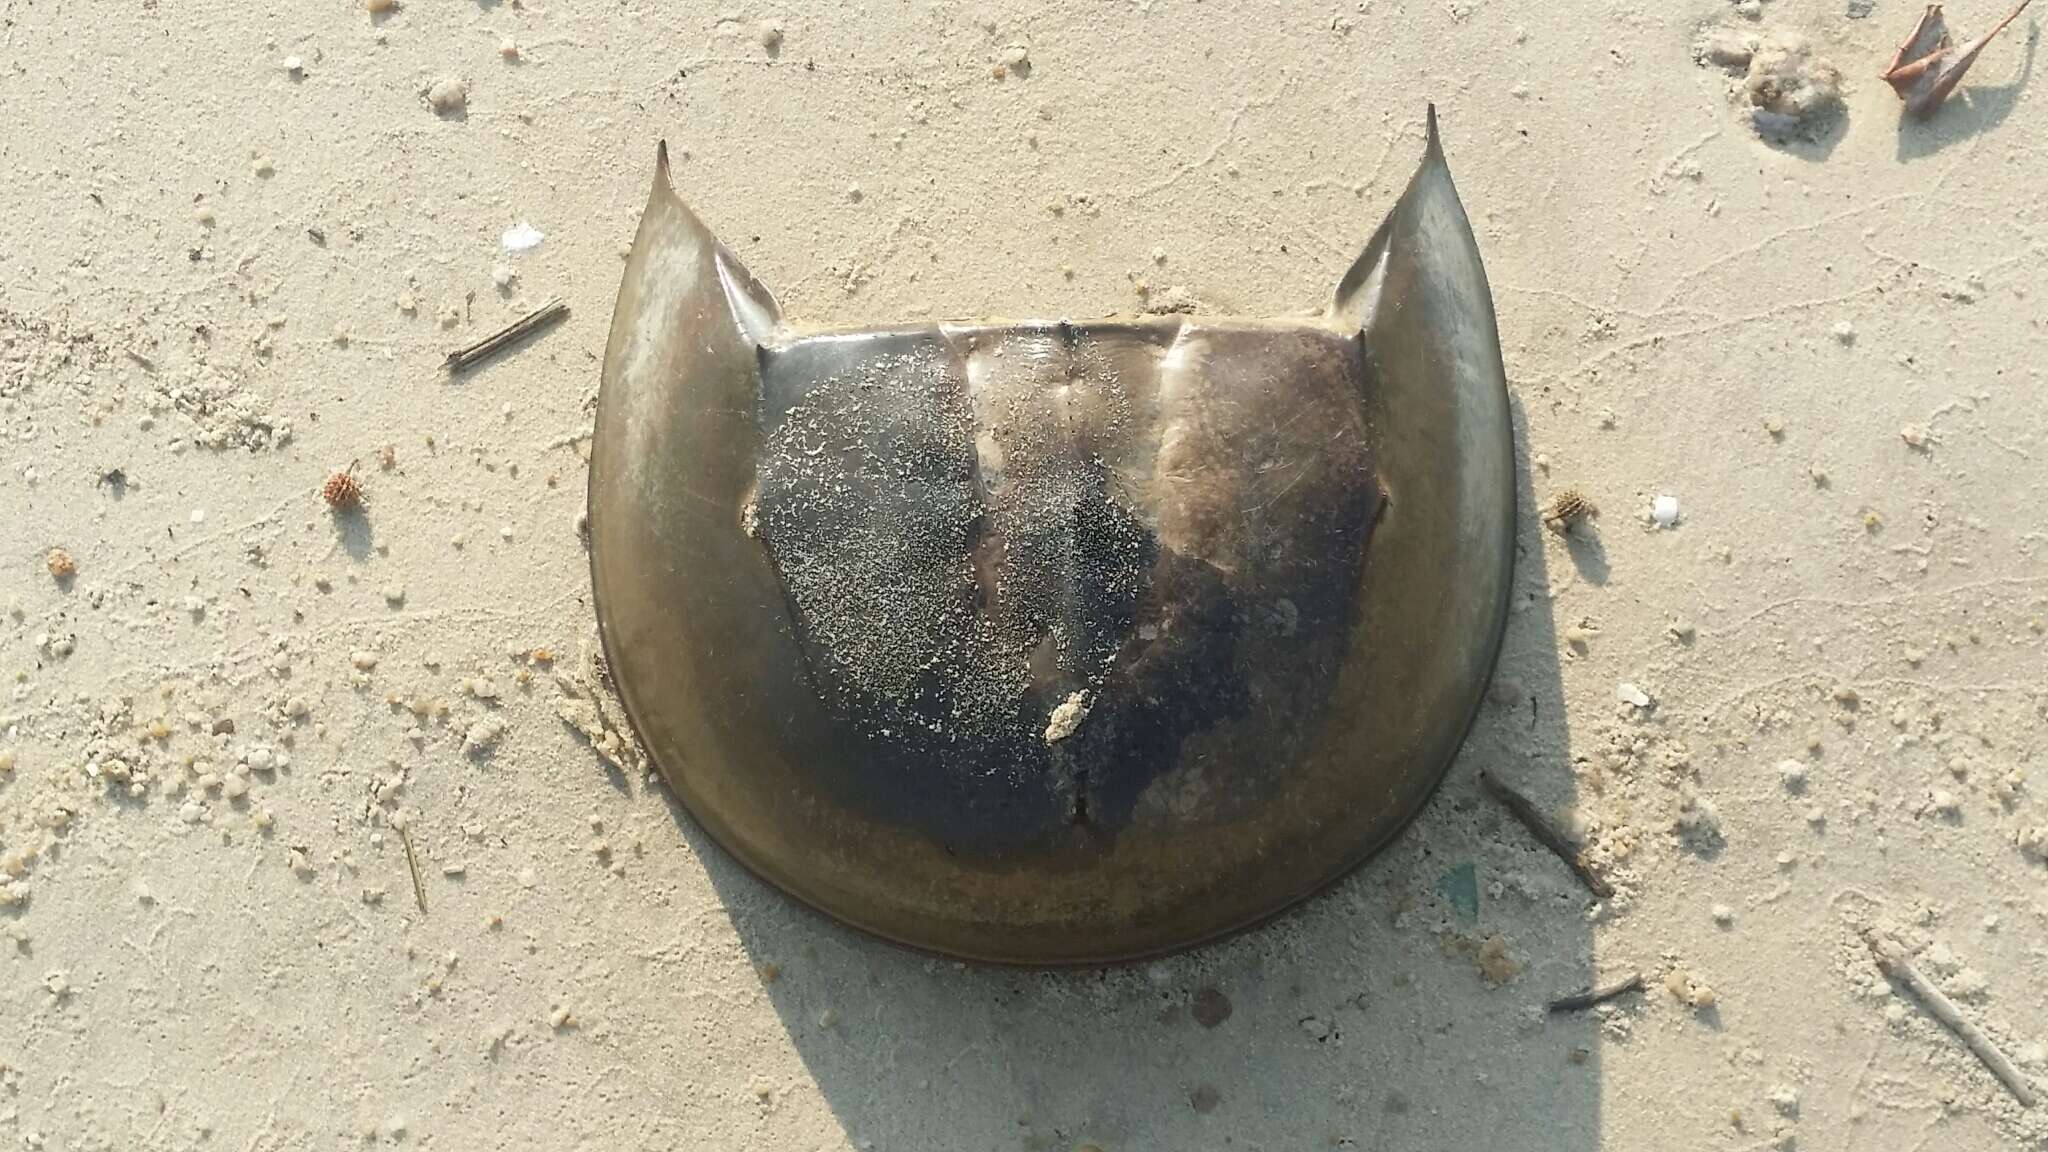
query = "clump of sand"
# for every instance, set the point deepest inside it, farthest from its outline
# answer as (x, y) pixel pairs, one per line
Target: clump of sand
(1788, 92)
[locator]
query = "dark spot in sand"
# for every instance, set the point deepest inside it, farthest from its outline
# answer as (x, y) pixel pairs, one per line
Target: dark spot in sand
(1211, 1007)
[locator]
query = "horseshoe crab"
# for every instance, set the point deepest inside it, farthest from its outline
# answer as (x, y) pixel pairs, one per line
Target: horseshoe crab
(1054, 641)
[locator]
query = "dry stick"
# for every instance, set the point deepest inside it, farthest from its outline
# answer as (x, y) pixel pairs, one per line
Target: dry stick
(1598, 995)
(412, 864)
(1892, 960)
(504, 337)
(1526, 812)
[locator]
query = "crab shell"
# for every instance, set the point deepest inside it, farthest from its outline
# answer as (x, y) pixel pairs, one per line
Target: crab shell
(1054, 642)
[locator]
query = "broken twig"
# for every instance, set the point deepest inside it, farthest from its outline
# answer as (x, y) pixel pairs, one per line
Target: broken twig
(1525, 811)
(1891, 959)
(507, 336)
(412, 865)
(1599, 994)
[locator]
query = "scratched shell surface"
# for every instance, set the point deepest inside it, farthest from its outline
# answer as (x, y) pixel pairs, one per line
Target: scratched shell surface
(1054, 642)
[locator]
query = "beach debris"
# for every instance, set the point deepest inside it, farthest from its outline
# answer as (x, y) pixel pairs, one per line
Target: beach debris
(1567, 508)
(448, 96)
(1066, 719)
(1928, 67)
(380, 7)
(1496, 966)
(1690, 989)
(1893, 962)
(1664, 510)
(522, 237)
(462, 358)
(342, 491)
(1547, 834)
(1787, 91)
(62, 567)
(1174, 300)
(509, 49)
(412, 863)
(1597, 995)
(1628, 693)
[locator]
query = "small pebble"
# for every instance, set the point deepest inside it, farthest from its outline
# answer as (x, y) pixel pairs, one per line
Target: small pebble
(769, 34)
(1664, 510)
(294, 65)
(363, 661)
(1845, 332)
(508, 48)
(379, 7)
(1793, 774)
(448, 95)
(1630, 694)
(1723, 915)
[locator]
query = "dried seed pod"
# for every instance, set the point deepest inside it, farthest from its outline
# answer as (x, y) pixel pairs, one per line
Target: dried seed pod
(343, 492)
(1566, 509)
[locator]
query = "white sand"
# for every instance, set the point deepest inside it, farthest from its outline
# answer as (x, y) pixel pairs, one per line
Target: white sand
(202, 271)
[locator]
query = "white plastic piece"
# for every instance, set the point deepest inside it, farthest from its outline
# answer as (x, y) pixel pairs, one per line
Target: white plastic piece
(522, 237)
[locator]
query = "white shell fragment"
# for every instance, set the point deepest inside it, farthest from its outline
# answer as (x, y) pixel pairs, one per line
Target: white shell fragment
(1664, 510)
(1628, 693)
(522, 237)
